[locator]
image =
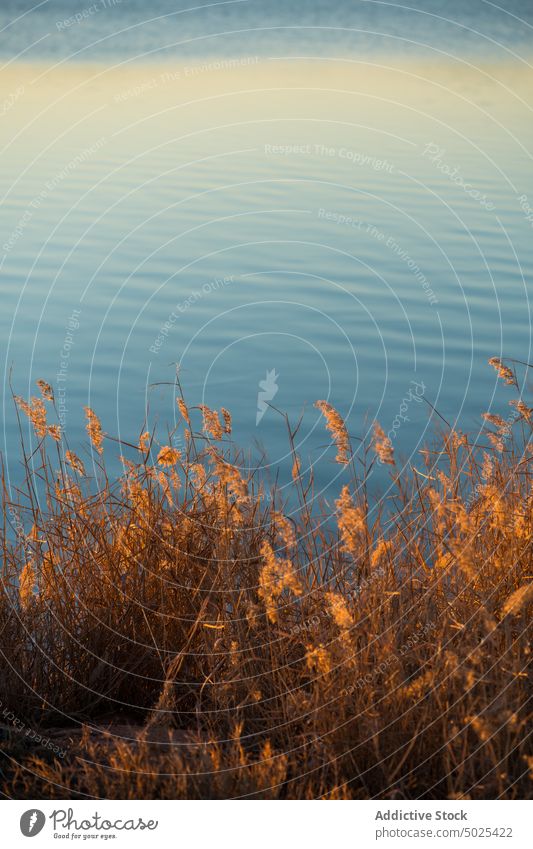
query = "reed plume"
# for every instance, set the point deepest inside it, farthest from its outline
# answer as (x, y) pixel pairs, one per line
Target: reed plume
(383, 446)
(46, 390)
(168, 456)
(94, 429)
(183, 410)
(351, 522)
(74, 461)
(336, 426)
(503, 371)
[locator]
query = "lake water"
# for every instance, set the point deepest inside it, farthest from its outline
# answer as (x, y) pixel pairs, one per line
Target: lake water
(333, 194)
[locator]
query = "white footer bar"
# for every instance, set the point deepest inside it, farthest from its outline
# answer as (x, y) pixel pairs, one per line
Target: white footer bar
(268, 825)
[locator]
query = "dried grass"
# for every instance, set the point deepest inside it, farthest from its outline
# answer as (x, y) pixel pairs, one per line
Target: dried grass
(374, 655)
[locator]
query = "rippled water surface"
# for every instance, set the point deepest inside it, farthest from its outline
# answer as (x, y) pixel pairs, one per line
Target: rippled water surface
(115, 30)
(343, 209)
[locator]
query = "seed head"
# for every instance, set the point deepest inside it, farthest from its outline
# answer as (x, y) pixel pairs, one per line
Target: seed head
(504, 371)
(383, 446)
(168, 456)
(46, 390)
(94, 429)
(336, 426)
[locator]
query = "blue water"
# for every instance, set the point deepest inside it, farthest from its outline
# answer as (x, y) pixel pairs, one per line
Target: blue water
(177, 191)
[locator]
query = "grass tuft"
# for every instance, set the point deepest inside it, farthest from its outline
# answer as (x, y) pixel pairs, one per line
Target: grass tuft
(179, 633)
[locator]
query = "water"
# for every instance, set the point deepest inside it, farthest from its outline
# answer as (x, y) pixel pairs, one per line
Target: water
(336, 194)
